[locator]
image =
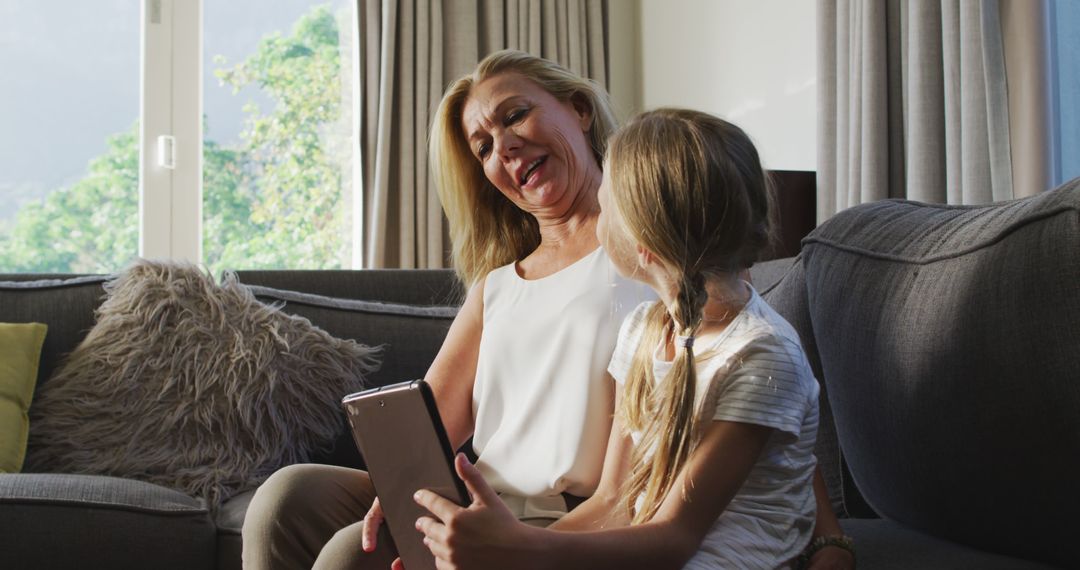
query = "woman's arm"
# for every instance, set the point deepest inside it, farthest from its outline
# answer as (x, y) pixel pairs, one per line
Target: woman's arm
(601, 509)
(486, 535)
(451, 377)
(453, 372)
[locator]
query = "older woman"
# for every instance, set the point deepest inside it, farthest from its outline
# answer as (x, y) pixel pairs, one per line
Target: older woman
(517, 148)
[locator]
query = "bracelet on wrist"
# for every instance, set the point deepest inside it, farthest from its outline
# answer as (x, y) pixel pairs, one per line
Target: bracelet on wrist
(838, 540)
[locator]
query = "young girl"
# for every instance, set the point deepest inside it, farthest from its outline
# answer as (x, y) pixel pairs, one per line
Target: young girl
(710, 461)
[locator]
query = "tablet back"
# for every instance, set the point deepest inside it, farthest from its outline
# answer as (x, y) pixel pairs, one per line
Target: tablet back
(404, 444)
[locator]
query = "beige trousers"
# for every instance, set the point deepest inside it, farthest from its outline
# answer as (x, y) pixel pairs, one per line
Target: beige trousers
(311, 516)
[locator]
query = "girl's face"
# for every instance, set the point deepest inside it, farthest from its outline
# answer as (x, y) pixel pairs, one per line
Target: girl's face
(533, 147)
(613, 235)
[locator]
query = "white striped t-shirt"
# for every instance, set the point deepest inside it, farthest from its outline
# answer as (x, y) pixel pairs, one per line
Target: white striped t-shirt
(757, 373)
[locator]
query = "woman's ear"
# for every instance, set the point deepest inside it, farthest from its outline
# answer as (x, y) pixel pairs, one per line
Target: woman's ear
(583, 110)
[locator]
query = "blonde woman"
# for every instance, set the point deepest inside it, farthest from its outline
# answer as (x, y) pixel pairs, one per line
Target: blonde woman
(710, 462)
(517, 148)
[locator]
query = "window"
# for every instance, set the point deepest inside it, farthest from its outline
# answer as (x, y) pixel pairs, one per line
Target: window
(69, 173)
(278, 147)
(217, 131)
(1065, 78)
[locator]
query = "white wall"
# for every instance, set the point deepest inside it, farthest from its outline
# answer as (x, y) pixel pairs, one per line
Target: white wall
(624, 57)
(752, 62)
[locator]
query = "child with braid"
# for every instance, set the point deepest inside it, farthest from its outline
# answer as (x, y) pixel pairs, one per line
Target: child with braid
(710, 462)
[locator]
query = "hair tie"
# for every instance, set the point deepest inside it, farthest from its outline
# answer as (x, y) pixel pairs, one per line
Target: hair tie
(685, 341)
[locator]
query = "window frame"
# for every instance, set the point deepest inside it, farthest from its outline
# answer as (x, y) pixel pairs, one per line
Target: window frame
(170, 110)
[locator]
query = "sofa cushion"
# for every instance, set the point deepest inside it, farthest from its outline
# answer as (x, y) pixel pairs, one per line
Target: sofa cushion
(887, 545)
(64, 303)
(408, 335)
(193, 386)
(947, 338)
(20, 353)
(421, 287)
(84, 521)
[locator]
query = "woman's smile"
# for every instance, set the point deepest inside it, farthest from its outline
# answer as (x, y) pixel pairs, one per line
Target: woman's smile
(532, 171)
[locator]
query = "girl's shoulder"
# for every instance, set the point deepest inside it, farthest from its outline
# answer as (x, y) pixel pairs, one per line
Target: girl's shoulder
(641, 310)
(630, 333)
(636, 320)
(766, 381)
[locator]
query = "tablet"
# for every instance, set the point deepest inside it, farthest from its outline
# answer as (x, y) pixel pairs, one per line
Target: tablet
(404, 444)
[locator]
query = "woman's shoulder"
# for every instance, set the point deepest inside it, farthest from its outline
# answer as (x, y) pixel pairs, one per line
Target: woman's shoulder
(499, 274)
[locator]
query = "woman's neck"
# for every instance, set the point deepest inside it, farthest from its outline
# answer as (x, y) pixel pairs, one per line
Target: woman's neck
(574, 227)
(565, 236)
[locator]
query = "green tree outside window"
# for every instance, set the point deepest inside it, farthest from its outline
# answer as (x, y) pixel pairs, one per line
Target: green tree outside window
(278, 200)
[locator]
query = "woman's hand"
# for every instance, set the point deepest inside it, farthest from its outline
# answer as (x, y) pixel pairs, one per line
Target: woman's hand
(483, 535)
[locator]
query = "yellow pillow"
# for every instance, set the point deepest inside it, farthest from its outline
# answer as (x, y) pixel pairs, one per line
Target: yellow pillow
(20, 352)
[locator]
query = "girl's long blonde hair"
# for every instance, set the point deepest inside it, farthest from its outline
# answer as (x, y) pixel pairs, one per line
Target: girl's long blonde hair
(486, 229)
(691, 190)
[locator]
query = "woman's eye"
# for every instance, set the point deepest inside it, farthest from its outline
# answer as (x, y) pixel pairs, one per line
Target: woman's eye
(483, 150)
(515, 116)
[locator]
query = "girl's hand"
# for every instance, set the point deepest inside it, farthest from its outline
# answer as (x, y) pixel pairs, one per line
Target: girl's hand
(372, 520)
(831, 558)
(483, 535)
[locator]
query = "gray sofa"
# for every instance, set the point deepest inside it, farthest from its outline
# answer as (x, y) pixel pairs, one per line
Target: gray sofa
(945, 339)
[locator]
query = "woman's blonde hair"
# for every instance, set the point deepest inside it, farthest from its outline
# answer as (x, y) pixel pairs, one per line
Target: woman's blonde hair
(486, 229)
(690, 189)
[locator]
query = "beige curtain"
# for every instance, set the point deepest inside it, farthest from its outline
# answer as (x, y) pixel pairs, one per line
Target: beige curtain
(941, 101)
(410, 50)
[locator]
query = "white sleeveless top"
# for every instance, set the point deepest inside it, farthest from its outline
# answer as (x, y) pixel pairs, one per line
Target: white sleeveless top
(542, 399)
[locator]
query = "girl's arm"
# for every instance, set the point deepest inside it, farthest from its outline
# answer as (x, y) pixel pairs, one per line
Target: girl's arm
(486, 535)
(829, 557)
(827, 524)
(601, 509)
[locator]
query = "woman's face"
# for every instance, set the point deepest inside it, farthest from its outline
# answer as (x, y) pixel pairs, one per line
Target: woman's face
(533, 147)
(613, 235)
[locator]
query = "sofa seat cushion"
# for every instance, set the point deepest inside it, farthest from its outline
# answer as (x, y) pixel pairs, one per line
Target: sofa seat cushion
(947, 338)
(230, 524)
(887, 545)
(88, 521)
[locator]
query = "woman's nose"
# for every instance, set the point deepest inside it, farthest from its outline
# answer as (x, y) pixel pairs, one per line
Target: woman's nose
(507, 145)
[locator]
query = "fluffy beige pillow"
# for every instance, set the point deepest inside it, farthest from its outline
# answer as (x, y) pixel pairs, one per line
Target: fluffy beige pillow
(193, 386)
